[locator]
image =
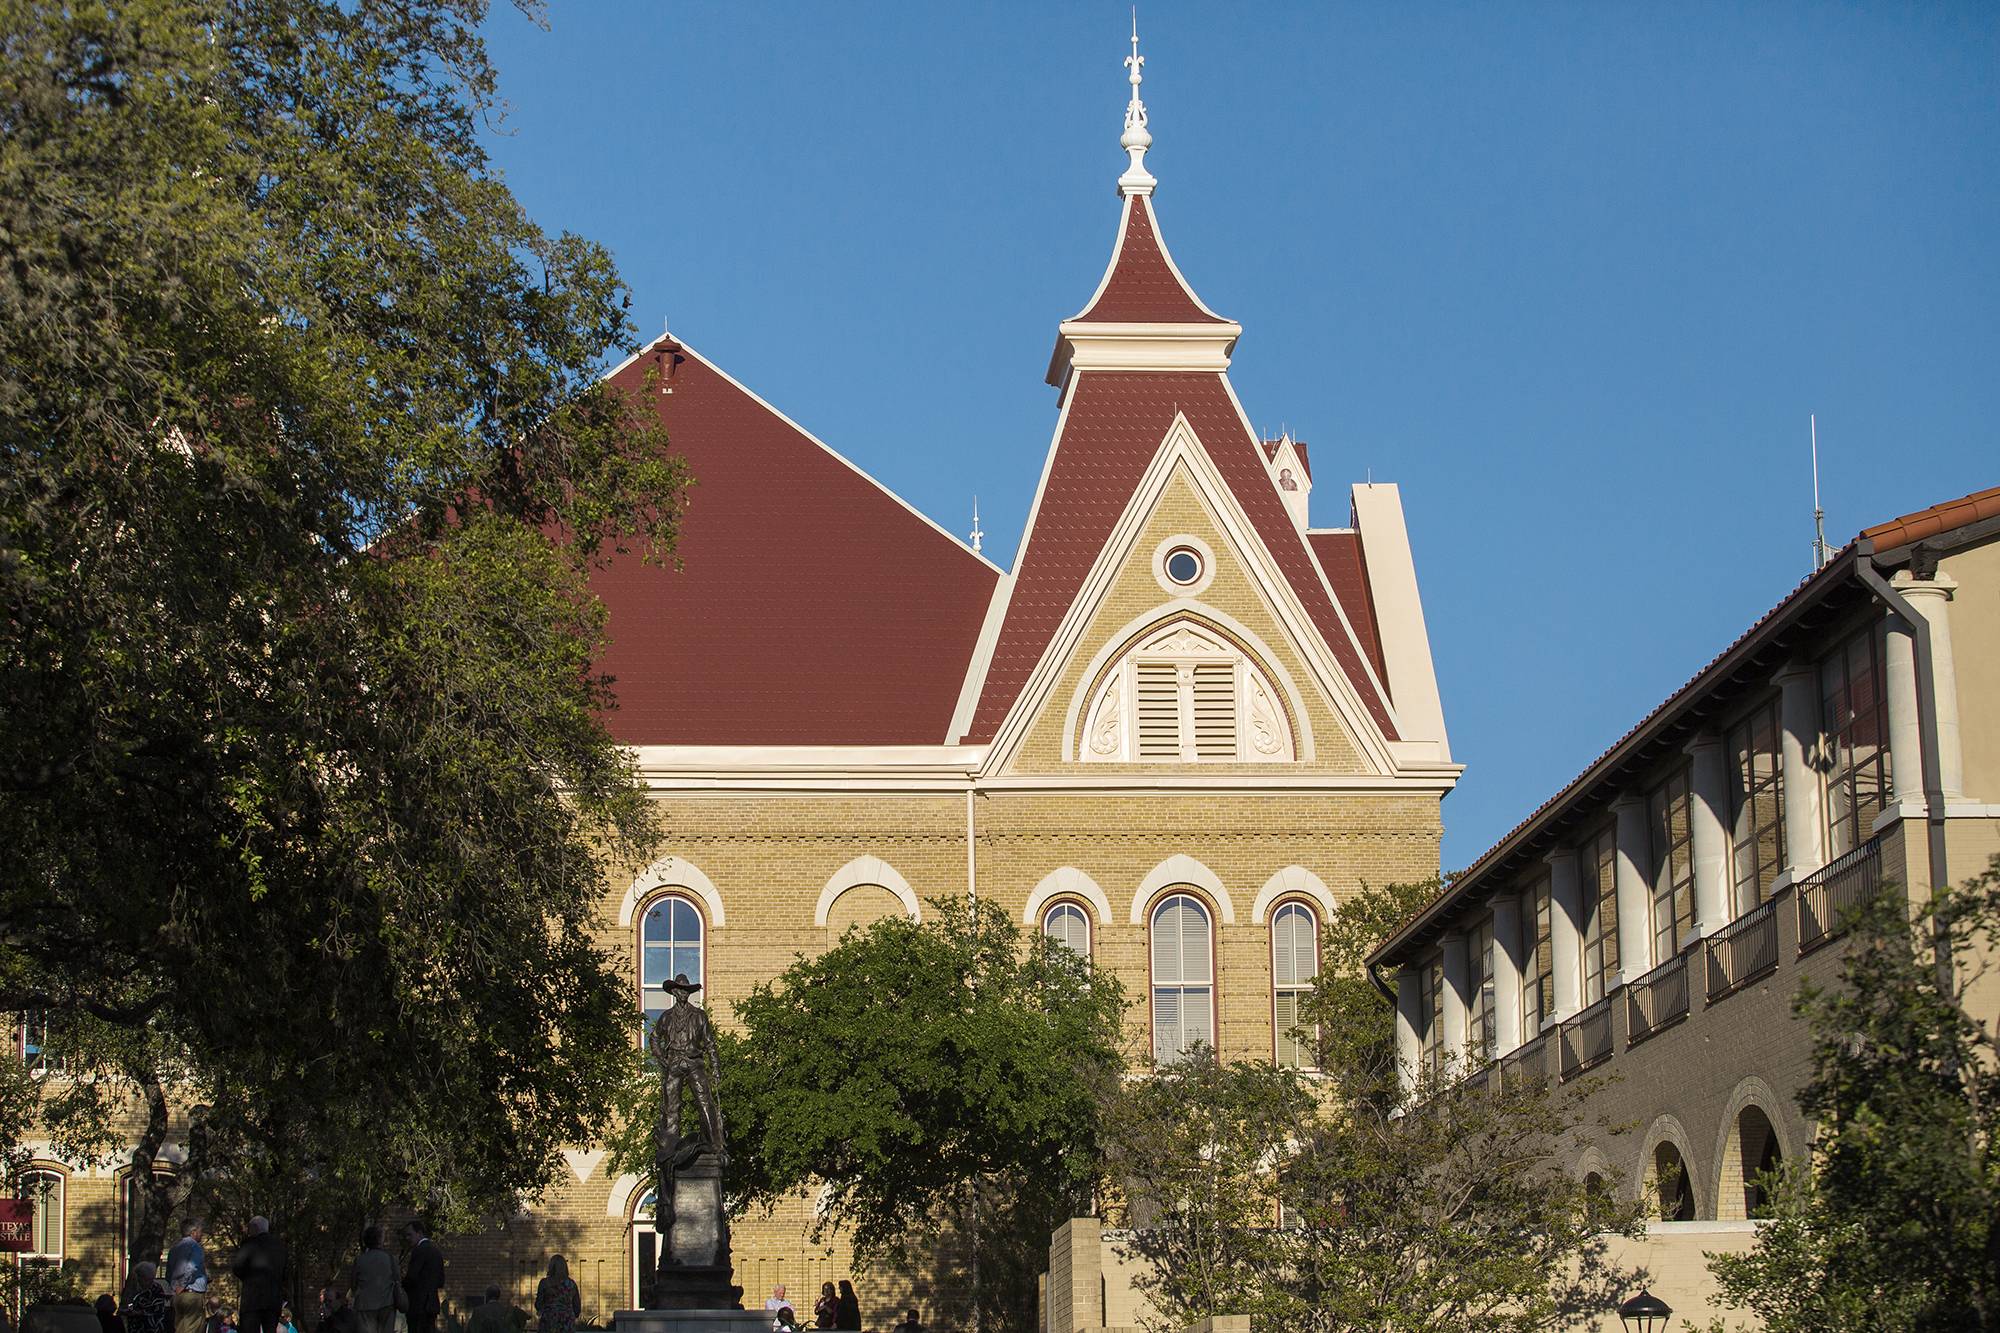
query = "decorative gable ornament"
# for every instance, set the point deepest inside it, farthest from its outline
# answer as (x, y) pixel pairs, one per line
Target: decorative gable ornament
(1185, 694)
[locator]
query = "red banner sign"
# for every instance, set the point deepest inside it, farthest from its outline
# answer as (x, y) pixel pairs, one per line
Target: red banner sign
(17, 1226)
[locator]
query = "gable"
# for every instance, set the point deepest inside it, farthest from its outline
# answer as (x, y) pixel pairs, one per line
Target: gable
(1110, 433)
(1228, 607)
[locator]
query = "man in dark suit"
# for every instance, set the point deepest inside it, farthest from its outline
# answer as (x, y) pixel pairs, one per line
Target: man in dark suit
(260, 1268)
(423, 1278)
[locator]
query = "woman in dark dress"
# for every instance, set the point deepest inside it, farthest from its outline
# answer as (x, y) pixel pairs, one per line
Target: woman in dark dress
(826, 1310)
(847, 1313)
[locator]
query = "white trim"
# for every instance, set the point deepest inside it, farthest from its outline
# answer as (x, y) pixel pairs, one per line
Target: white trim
(1293, 879)
(1399, 613)
(682, 344)
(1065, 881)
(1181, 446)
(1180, 868)
(619, 1202)
(671, 872)
(867, 870)
(1162, 617)
(583, 1162)
(1103, 345)
(974, 684)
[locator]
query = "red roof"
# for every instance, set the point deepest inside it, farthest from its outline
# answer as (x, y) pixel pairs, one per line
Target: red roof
(1974, 508)
(811, 606)
(1115, 425)
(1346, 567)
(1142, 286)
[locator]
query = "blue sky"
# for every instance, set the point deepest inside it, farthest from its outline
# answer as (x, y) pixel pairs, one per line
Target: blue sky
(1573, 275)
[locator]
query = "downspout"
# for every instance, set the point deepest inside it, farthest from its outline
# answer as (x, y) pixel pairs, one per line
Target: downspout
(1927, 733)
(971, 852)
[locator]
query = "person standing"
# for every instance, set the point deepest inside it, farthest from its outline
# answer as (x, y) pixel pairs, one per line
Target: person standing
(423, 1278)
(376, 1284)
(557, 1300)
(149, 1310)
(491, 1315)
(826, 1310)
(848, 1313)
(261, 1269)
(187, 1262)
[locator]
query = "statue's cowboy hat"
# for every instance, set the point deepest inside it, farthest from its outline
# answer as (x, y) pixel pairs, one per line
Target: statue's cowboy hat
(681, 985)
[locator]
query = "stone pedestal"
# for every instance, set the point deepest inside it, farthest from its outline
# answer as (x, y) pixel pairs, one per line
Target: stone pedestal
(695, 1271)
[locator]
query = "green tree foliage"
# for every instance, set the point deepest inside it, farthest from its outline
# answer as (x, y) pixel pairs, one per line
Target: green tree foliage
(305, 797)
(940, 1081)
(1449, 1206)
(1895, 1223)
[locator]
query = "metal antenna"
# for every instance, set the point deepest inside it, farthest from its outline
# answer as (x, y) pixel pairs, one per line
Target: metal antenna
(1822, 555)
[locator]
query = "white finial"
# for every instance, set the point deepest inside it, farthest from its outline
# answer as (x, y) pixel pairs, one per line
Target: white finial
(977, 535)
(1136, 140)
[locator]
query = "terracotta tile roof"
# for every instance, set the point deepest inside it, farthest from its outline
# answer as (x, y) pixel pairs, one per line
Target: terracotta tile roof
(1115, 425)
(1141, 286)
(1346, 567)
(812, 607)
(1974, 508)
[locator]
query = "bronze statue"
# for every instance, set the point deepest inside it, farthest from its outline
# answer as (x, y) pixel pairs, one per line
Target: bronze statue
(683, 1043)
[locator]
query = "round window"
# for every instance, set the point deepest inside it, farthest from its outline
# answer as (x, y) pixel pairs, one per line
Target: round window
(1183, 565)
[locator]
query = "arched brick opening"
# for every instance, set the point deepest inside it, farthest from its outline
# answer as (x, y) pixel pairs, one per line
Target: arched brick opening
(1754, 1148)
(1669, 1185)
(1750, 1139)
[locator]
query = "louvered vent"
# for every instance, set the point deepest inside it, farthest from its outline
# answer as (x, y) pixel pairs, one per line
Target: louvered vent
(1215, 711)
(1159, 701)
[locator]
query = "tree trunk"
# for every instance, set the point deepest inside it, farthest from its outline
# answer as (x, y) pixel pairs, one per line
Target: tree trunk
(146, 1240)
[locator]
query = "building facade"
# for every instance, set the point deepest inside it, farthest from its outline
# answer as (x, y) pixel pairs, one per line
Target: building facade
(1174, 735)
(1655, 918)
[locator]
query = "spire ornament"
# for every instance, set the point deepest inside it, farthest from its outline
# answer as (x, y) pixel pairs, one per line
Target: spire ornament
(1136, 139)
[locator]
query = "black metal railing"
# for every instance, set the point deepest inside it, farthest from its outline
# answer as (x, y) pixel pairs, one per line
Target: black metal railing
(1744, 952)
(1528, 1065)
(1657, 1000)
(1586, 1040)
(1829, 895)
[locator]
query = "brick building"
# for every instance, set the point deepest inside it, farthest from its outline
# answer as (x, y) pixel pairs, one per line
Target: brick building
(1175, 734)
(1655, 917)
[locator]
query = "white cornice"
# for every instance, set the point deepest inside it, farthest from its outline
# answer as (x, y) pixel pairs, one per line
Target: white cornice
(1093, 345)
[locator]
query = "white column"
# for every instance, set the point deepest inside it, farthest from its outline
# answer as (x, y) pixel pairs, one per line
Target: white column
(1457, 997)
(1635, 893)
(1508, 962)
(1565, 932)
(1709, 832)
(1798, 743)
(1931, 599)
(1409, 1039)
(1906, 737)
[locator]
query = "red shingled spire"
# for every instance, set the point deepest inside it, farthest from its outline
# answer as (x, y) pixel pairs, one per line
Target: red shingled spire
(1142, 286)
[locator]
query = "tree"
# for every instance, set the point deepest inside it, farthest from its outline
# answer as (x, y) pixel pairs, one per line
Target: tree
(1446, 1206)
(1895, 1223)
(938, 1080)
(306, 799)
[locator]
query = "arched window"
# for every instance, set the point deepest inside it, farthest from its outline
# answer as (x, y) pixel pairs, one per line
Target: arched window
(1069, 925)
(1185, 694)
(645, 1246)
(43, 1192)
(1757, 1151)
(1183, 978)
(670, 945)
(137, 1201)
(1294, 964)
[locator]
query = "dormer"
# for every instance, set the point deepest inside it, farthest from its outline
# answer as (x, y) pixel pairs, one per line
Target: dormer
(1291, 473)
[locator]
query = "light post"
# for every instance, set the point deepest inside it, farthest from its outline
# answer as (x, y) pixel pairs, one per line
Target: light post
(1645, 1313)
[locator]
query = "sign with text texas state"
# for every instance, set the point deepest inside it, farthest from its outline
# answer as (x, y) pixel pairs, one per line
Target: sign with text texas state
(17, 1223)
